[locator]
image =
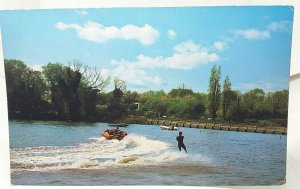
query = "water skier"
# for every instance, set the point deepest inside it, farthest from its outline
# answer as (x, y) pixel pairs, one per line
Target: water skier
(180, 142)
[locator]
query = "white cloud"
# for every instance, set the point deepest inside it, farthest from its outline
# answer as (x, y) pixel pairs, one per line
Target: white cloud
(81, 12)
(279, 26)
(263, 34)
(63, 26)
(186, 55)
(133, 74)
(105, 72)
(171, 34)
(36, 67)
(220, 45)
(98, 33)
(267, 85)
(253, 34)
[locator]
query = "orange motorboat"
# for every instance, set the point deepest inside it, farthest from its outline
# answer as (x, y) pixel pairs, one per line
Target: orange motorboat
(110, 134)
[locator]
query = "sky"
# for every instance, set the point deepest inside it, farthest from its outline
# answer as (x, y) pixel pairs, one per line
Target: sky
(159, 48)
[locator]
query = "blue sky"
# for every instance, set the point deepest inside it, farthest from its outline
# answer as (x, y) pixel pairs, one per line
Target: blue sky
(159, 48)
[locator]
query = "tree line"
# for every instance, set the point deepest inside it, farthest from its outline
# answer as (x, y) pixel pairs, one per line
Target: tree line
(78, 93)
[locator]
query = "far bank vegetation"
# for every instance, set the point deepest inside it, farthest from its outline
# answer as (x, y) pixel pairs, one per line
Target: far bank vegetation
(79, 93)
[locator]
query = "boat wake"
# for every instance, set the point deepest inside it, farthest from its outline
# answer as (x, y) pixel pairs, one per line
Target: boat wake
(97, 154)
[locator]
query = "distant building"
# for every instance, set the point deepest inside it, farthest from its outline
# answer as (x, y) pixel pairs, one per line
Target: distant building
(137, 105)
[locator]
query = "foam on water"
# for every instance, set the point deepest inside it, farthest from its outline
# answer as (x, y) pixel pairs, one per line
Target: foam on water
(96, 154)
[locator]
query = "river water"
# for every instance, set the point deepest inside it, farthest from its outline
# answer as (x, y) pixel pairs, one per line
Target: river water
(61, 153)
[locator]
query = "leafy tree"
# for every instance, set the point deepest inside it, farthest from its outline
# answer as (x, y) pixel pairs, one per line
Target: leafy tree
(64, 83)
(195, 107)
(148, 99)
(116, 107)
(35, 90)
(77, 92)
(254, 98)
(130, 98)
(15, 72)
(54, 73)
(88, 103)
(280, 103)
(237, 111)
(253, 101)
(160, 107)
(181, 92)
(177, 107)
(214, 91)
(277, 104)
(25, 91)
(228, 96)
(69, 86)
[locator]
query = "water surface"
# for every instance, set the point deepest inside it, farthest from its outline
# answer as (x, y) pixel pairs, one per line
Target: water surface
(61, 153)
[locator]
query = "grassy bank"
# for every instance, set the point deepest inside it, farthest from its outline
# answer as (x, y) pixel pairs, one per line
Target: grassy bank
(259, 123)
(277, 126)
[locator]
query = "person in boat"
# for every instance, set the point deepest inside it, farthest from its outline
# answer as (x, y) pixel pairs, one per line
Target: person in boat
(180, 142)
(116, 133)
(117, 130)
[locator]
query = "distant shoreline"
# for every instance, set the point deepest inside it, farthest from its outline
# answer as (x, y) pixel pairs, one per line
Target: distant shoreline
(240, 127)
(212, 125)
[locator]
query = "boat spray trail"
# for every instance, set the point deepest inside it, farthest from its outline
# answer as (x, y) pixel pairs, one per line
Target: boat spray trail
(98, 153)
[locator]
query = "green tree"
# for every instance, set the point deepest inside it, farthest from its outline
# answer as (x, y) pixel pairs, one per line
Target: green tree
(253, 104)
(180, 92)
(63, 82)
(53, 73)
(117, 107)
(253, 98)
(130, 98)
(280, 103)
(149, 98)
(88, 97)
(277, 103)
(177, 107)
(35, 91)
(15, 72)
(160, 107)
(195, 106)
(69, 86)
(214, 91)
(25, 91)
(228, 96)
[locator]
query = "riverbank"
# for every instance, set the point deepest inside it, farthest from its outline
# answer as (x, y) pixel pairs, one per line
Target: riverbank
(264, 126)
(240, 127)
(201, 124)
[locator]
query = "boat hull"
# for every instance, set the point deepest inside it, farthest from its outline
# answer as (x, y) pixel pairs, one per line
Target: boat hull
(171, 128)
(111, 134)
(118, 125)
